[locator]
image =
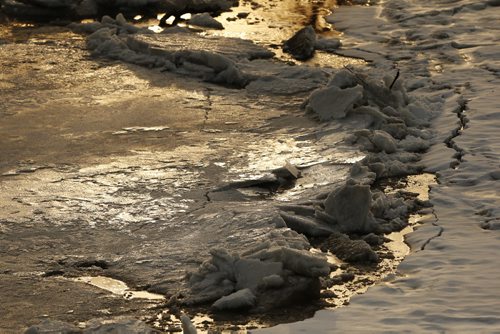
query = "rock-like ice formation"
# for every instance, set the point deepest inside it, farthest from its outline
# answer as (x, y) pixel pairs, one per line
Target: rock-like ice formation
(301, 45)
(332, 102)
(352, 251)
(211, 59)
(243, 298)
(187, 325)
(282, 265)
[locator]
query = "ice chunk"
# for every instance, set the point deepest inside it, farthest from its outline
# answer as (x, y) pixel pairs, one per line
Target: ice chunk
(300, 262)
(373, 111)
(250, 273)
(352, 251)
(187, 325)
(343, 79)
(375, 141)
(205, 20)
(306, 225)
(397, 129)
(221, 68)
(332, 102)
(281, 265)
(383, 141)
(414, 144)
(240, 299)
(350, 206)
(362, 174)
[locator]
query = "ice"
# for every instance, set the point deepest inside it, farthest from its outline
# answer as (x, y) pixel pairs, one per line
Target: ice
(243, 298)
(414, 144)
(332, 102)
(379, 140)
(250, 273)
(350, 207)
(343, 79)
(273, 281)
(352, 251)
(301, 262)
(244, 280)
(211, 59)
(306, 226)
(444, 50)
(187, 325)
(383, 141)
(437, 54)
(284, 80)
(205, 20)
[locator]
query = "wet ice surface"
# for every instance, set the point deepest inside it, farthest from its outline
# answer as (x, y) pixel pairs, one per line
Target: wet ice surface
(449, 281)
(101, 178)
(129, 195)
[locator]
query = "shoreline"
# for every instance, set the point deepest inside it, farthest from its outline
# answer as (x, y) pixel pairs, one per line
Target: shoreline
(447, 282)
(454, 175)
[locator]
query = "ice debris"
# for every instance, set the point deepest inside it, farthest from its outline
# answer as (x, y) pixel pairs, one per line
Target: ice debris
(349, 206)
(240, 299)
(211, 59)
(352, 251)
(281, 264)
(187, 325)
(393, 139)
(332, 102)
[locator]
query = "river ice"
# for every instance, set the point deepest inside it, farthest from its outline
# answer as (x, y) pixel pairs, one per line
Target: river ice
(449, 281)
(434, 110)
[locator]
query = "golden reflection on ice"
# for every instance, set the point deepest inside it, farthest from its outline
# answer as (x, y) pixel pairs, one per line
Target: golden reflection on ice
(117, 287)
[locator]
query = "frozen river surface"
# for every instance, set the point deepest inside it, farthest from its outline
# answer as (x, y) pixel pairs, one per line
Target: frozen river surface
(448, 284)
(114, 169)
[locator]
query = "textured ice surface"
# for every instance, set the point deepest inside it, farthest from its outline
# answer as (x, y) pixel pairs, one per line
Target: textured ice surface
(266, 268)
(449, 282)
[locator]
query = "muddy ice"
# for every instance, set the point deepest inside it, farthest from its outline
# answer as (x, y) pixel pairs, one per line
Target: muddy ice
(197, 167)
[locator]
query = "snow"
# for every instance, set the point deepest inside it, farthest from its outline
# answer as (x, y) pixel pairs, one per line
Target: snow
(450, 54)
